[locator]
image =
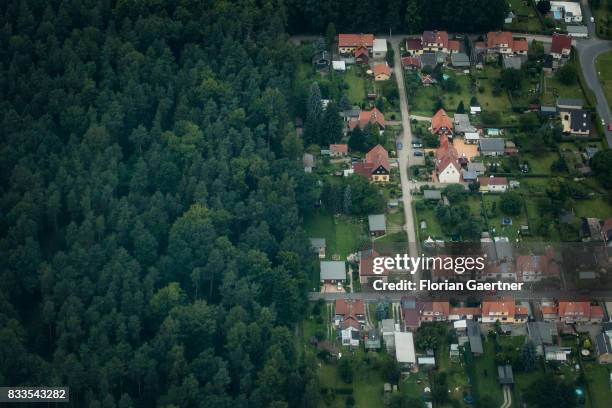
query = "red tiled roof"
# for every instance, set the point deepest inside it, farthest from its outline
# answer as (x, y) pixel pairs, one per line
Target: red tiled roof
(361, 52)
(560, 42)
(447, 161)
(495, 307)
(373, 116)
(435, 37)
(446, 149)
(441, 120)
(520, 45)
(465, 311)
(378, 156)
(440, 307)
(355, 40)
(522, 311)
(597, 311)
(411, 62)
(351, 307)
(454, 45)
(606, 227)
(338, 148)
(427, 79)
(381, 69)
(366, 264)
(534, 263)
(574, 309)
(351, 321)
(547, 310)
(414, 44)
(492, 181)
(495, 38)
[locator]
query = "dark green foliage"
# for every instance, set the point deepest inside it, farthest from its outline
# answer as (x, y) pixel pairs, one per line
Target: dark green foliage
(550, 392)
(528, 356)
(345, 369)
(567, 74)
(460, 107)
(602, 166)
(352, 196)
(511, 203)
(150, 222)
(543, 6)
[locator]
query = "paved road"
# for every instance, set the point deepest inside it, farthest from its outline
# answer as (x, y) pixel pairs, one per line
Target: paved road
(404, 155)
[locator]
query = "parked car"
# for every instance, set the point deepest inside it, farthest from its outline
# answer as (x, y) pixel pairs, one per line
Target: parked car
(399, 146)
(418, 153)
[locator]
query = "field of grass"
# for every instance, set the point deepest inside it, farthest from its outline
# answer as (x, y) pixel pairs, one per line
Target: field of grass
(487, 78)
(495, 215)
(604, 68)
(597, 377)
(486, 371)
(344, 235)
(434, 229)
(597, 207)
(356, 85)
(541, 163)
(526, 20)
(553, 89)
(423, 102)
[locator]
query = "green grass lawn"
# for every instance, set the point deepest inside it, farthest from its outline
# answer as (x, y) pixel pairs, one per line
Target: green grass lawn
(495, 215)
(596, 207)
(356, 85)
(597, 377)
(541, 163)
(604, 68)
(423, 102)
(344, 235)
(486, 372)
(526, 20)
(487, 78)
(434, 229)
(553, 89)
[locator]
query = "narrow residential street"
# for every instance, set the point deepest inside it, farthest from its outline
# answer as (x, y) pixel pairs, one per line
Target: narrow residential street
(405, 153)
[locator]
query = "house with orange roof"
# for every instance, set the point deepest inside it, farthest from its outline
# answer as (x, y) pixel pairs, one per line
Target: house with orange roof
(366, 267)
(375, 166)
(461, 313)
(549, 312)
(374, 117)
(493, 184)
(441, 123)
(348, 43)
(338, 150)
(350, 307)
(381, 72)
(454, 46)
(534, 268)
(501, 42)
(433, 310)
(574, 311)
(503, 310)
(435, 41)
(520, 47)
(362, 56)
(448, 169)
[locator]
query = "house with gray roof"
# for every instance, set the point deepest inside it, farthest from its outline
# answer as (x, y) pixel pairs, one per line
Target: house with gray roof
(460, 60)
(492, 146)
(473, 332)
(317, 245)
(462, 123)
(469, 175)
(504, 374)
(432, 195)
(541, 334)
(429, 59)
(603, 344)
(569, 103)
(477, 167)
(514, 61)
(333, 271)
(377, 224)
(548, 111)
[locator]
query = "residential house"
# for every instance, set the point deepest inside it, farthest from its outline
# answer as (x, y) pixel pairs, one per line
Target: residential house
(432, 195)
(474, 336)
(387, 329)
(338, 150)
(534, 268)
(318, 247)
(556, 353)
(410, 313)
(435, 41)
(568, 104)
(459, 313)
(499, 42)
(576, 122)
(462, 123)
(567, 11)
(560, 48)
(460, 326)
(412, 63)
(379, 49)
(381, 72)
(441, 123)
(348, 43)
(469, 176)
(590, 229)
(477, 167)
(427, 80)
(350, 307)
(377, 225)
(350, 332)
(429, 59)
(455, 47)
(414, 46)
(493, 184)
(503, 310)
(362, 56)
(448, 169)
(333, 271)
(404, 350)
(549, 311)
(373, 117)
(321, 60)
(574, 311)
(375, 166)
(433, 310)
(471, 138)
(460, 60)
(541, 334)
(366, 267)
(548, 111)
(603, 345)
(491, 146)
(513, 61)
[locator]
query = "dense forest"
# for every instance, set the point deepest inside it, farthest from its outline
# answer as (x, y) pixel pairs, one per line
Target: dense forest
(400, 16)
(151, 203)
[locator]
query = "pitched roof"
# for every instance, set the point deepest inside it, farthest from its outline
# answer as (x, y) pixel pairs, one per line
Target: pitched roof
(580, 120)
(574, 309)
(366, 263)
(404, 348)
(520, 45)
(504, 307)
(381, 69)
(414, 44)
(537, 263)
(351, 307)
(441, 120)
(437, 307)
(411, 62)
(333, 270)
(465, 311)
(473, 332)
(454, 45)
(380, 45)
(373, 116)
(492, 144)
(361, 51)
(492, 181)
(435, 37)
(560, 42)
(338, 148)
(376, 222)
(495, 38)
(378, 156)
(355, 40)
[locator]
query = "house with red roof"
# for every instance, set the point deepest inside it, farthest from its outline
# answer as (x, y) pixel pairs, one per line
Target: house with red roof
(433, 310)
(348, 43)
(414, 46)
(503, 310)
(374, 117)
(534, 268)
(381, 72)
(435, 41)
(362, 56)
(460, 313)
(574, 311)
(501, 42)
(411, 63)
(338, 150)
(375, 166)
(560, 49)
(366, 267)
(350, 308)
(493, 184)
(549, 312)
(448, 169)
(441, 123)
(454, 46)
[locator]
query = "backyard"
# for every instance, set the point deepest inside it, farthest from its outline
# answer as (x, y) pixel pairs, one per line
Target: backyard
(424, 99)
(344, 235)
(552, 89)
(526, 19)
